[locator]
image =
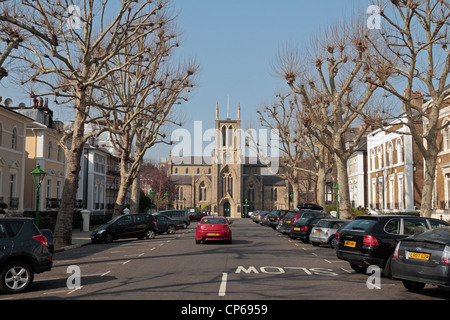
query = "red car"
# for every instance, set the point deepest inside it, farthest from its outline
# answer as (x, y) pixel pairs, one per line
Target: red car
(213, 228)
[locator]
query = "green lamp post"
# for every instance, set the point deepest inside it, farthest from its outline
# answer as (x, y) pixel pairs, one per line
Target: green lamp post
(38, 176)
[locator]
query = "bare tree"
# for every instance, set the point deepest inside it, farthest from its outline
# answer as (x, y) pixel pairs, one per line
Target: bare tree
(145, 92)
(303, 156)
(413, 43)
(330, 80)
(68, 51)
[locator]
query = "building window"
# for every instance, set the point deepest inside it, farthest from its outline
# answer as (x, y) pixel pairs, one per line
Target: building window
(372, 159)
(14, 139)
(380, 158)
(49, 150)
(60, 154)
(202, 192)
(251, 193)
(399, 146)
(390, 154)
(380, 193)
(400, 192)
(446, 136)
(99, 164)
(227, 183)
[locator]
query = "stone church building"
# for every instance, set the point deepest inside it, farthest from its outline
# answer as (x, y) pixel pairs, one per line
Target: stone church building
(228, 183)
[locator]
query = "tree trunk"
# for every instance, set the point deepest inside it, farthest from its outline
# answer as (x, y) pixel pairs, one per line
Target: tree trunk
(428, 186)
(321, 184)
(123, 188)
(64, 220)
(345, 210)
(135, 195)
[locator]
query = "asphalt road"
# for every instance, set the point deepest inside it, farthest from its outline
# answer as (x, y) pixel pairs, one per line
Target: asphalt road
(260, 265)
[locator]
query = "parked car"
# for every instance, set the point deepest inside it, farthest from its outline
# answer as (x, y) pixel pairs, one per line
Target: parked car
(24, 252)
(197, 216)
(312, 206)
(179, 215)
(301, 228)
(167, 224)
(274, 217)
(213, 229)
(258, 216)
(324, 231)
(423, 259)
(126, 226)
(371, 240)
(291, 217)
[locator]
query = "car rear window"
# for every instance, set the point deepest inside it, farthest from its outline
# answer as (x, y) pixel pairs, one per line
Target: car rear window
(413, 226)
(213, 221)
(440, 235)
(290, 215)
(360, 224)
(324, 224)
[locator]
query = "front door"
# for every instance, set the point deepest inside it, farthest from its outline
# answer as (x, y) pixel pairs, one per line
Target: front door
(226, 209)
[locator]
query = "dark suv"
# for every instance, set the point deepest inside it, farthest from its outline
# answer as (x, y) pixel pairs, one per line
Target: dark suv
(301, 228)
(23, 252)
(139, 226)
(371, 240)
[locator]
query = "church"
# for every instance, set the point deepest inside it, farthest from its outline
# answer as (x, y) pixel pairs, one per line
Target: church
(228, 183)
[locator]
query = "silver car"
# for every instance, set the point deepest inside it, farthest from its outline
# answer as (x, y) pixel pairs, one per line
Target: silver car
(324, 231)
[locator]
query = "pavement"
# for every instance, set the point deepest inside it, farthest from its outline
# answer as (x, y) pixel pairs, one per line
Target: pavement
(79, 239)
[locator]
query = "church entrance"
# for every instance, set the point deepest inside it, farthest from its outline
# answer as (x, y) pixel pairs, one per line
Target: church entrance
(226, 209)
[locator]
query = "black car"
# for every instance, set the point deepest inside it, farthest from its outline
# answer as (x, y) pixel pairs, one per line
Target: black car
(24, 252)
(311, 206)
(178, 215)
(423, 259)
(301, 228)
(291, 217)
(274, 217)
(126, 226)
(371, 240)
(166, 224)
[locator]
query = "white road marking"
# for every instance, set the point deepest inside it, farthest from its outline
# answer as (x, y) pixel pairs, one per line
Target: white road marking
(223, 285)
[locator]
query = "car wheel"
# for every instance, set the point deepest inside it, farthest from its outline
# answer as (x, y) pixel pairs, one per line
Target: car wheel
(358, 268)
(16, 277)
(387, 268)
(413, 286)
(171, 229)
(109, 238)
(150, 234)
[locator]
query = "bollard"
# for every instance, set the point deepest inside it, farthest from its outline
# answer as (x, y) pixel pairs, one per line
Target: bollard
(86, 217)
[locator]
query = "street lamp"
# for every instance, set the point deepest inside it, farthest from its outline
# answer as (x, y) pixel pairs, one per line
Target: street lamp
(38, 176)
(291, 201)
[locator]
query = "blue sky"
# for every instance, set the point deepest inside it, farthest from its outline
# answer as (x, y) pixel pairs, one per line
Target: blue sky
(236, 42)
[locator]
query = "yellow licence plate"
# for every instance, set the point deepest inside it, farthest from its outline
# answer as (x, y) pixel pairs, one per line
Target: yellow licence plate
(213, 234)
(419, 256)
(318, 231)
(350, 244)
(288, 221)
(297, 229)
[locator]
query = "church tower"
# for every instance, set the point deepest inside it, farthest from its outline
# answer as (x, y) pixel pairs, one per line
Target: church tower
(227, 167)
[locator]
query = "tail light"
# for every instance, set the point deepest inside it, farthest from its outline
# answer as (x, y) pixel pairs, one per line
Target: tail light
(41, 239)
(396, 251)
(338, 236)
(446, 256)
(370, 241)
(304, 228)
